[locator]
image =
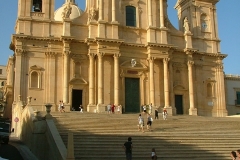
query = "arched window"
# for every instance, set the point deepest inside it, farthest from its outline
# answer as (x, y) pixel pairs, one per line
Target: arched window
(37, 6)
(130, 16)
(34, 80)
(209, 90)
(2, 84)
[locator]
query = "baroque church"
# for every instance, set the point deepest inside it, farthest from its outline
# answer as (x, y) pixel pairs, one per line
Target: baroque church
(117, 52)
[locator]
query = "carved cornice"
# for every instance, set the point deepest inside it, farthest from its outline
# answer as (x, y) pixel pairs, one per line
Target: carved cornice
(134, 45)
(26, 37)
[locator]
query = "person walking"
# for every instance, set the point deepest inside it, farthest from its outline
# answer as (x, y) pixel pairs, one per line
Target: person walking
(156, 113)
(119, 108)
(109, 108)
(164, 114)
(128, 148)
(153, 155)
(149, 122)
(81, 109)
(140, 123)
(233, 155)
(62, 106)
(238, 154)
(113, 107)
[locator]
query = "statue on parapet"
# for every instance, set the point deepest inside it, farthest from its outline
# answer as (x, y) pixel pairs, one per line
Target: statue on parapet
(67, 11)
(186, 25)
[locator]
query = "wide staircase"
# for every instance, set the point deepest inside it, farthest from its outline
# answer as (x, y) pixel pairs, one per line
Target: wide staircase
(101, 136)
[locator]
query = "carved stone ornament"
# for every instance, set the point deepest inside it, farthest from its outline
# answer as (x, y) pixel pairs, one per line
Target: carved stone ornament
(133, 62)
(92, 13)
(186, 25)
(67, 11)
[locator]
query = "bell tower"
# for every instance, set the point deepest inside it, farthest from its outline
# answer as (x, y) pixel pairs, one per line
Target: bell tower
(33, 10)
(202, 18)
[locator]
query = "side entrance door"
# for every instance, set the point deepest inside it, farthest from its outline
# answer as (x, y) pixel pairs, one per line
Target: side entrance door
(179, 104)
(132, 95)
(76, 99)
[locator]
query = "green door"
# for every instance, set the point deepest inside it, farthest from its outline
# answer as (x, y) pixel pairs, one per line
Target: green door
(132, 97)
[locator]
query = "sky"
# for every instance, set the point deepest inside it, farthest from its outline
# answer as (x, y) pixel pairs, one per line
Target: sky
(228, 14)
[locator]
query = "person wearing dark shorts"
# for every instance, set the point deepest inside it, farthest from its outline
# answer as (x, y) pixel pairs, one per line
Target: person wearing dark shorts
(149, 122)
(128, 148)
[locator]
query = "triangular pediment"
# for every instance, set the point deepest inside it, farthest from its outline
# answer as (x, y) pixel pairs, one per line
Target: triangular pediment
(136, 65)
(78, 81)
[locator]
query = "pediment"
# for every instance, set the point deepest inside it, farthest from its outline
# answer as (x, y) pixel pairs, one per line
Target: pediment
(179, 87)
(78, 81)
(35, 67)
(138, 65)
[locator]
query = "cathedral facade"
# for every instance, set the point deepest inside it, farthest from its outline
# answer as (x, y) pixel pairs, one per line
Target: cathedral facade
(118, 52)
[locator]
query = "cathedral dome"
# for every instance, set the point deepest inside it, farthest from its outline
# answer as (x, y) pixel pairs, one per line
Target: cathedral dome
(75, 11)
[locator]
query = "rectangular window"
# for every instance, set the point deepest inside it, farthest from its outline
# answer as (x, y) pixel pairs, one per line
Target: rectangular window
(238, 98)
(0, 71)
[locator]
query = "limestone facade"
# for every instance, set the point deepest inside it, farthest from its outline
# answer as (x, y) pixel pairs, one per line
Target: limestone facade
(232, 85)
(120, 52)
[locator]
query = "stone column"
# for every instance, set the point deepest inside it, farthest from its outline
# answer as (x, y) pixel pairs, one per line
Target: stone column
(162, 25)
(100, 16)
(151, 80)
(166, 80)
(66, 76)
(18, 73)
(116, 78)
(192, 109)
(100, 78)
(149, 12)
(113, 10)
(91, 79)
(219, 108)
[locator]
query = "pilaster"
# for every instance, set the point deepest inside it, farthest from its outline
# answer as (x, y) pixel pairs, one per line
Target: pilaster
(66, 54)
(116, 78)
(151, 80)
(166, 80)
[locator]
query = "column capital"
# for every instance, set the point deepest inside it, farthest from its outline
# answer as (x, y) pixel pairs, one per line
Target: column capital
(166, 60)
(20, 52)
(190, 63)
(91, 55)
(66, 53)
(116, 55)
(50, 54)
(100, 54)
(151, 59)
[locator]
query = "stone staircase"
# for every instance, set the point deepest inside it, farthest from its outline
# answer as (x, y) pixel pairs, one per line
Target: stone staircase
(101, 136)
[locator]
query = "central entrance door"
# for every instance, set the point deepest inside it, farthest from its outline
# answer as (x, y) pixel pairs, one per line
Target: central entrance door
(132, 95)
(76, 99)
(179, 104)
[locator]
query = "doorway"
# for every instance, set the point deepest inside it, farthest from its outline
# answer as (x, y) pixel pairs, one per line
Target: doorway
(179, 104)
(132, 95)
(76, 99)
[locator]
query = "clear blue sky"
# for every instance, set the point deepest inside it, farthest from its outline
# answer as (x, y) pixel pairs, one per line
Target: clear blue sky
(228, 13)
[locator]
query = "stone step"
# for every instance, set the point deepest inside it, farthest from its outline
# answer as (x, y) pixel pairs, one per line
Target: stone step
(101, 136)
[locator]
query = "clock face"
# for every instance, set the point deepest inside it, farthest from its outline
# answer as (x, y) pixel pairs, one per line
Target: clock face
(204, 25)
